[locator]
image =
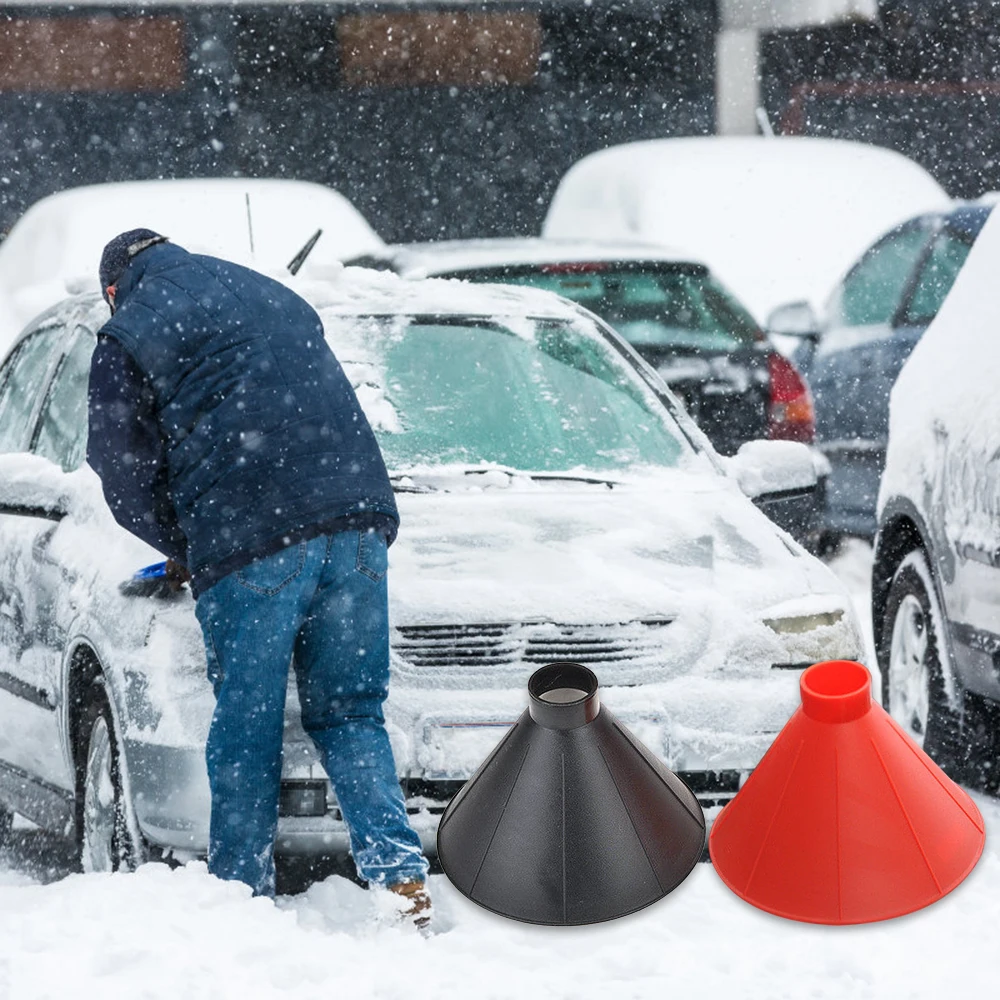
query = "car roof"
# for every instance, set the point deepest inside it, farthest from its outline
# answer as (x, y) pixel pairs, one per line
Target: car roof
(449, 256)
(777, 219)
(56, 245)
(354, 291)
(362, 291)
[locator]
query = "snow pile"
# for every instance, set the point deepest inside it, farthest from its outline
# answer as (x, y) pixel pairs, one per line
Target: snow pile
(56, 245)
(777, 219)
(945, 411)
(167, 934)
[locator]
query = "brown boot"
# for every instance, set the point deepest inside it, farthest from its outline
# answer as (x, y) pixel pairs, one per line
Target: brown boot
(414, 906)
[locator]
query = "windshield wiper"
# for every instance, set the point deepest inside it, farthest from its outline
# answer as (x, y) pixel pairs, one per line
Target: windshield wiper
(568, 477)
(398, 486)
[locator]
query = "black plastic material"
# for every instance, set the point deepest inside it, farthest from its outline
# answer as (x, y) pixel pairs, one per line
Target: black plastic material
(570, 820)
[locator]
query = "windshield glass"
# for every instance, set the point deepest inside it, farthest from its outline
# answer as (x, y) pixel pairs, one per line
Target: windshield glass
(650, 306)
(534, 395)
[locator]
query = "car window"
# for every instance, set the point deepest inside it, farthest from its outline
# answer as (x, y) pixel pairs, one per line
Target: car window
(22, 380)
(871, 292)
(537, 395)
(649, 306)
(62, 429)
(937, 275)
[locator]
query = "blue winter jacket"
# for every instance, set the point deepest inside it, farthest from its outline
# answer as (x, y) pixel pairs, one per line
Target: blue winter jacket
(252, 436)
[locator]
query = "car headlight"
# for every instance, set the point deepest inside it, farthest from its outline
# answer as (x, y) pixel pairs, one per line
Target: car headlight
(797, 624)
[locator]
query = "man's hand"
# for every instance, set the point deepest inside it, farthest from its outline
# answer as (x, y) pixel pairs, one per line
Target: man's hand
(177, 575)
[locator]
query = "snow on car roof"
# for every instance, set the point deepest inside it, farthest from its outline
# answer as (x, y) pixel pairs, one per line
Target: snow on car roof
(366, 292)
(446, 256)
(777, 219)
(56, 245)
(356, 291)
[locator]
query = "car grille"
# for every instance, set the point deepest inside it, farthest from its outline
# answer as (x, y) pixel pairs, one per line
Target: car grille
(498, 645)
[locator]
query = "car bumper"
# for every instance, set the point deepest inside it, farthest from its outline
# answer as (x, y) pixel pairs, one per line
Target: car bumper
(852, 489)
(711, 730)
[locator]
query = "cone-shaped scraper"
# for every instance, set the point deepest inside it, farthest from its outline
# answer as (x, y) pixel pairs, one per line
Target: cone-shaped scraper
(845, 820)
(571, 820)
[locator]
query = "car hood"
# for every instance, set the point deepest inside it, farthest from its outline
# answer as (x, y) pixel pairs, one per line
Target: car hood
(680, 546)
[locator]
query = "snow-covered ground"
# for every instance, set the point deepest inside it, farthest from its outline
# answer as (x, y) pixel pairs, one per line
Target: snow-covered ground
(180, 933)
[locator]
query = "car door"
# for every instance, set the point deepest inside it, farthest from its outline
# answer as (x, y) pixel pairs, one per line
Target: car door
(29, 735)
(853, 368)
(964, 506)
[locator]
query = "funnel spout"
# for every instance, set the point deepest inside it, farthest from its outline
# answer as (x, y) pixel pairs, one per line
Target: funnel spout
(836, 691)
(563, 695)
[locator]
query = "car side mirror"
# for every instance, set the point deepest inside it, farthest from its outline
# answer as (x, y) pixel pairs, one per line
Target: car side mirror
(34, 487)
(794, 319)
(771, 471)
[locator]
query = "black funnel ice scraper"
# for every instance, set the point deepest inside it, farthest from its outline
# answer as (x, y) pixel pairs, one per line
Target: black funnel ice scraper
(570, 820)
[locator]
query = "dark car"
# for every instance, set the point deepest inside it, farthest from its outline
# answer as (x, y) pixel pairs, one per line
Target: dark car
(852, 358)
(672, 310)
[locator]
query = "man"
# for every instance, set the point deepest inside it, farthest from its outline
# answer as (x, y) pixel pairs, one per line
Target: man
(227, 436)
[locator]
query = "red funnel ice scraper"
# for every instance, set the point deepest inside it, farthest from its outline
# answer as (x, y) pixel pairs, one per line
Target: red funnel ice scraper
(845, 820)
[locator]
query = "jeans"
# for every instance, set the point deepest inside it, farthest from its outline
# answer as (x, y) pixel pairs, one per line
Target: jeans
(322, 605)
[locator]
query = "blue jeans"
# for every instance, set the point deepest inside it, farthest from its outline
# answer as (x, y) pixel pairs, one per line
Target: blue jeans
(323, 605)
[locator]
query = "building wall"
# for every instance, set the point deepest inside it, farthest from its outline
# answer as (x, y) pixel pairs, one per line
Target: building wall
(924, 80)
(428, 142)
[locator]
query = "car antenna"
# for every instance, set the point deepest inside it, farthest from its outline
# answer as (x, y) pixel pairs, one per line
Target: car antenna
(300, 258)
(764, 123)
(250, 226)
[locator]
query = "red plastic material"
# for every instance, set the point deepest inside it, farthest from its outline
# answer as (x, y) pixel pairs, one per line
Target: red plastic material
(845, 820)
(791, 416)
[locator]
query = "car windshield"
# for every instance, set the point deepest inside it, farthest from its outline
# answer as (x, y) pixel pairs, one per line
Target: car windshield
(537, 395)
(650, 305)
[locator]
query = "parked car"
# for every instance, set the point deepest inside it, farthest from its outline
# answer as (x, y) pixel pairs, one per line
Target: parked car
(852, 357)
(678, 317)
(777, 219)
(556, 503)
(936, 577)
(54, 247)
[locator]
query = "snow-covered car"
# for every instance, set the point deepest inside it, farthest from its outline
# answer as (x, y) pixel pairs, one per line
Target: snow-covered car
(556, 502)
(873, 320)
(936, 578)
(53, 249)
(678, 317)
(778, 219)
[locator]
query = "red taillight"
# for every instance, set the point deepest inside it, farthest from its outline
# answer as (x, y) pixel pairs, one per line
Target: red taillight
(790, 416)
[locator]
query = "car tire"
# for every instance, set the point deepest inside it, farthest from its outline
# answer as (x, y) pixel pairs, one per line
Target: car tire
(6, 825)
(828, 544)
(913, 656)
(107, 836)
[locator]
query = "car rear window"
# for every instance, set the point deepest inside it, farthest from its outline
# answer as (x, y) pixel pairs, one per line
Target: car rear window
(650, 306)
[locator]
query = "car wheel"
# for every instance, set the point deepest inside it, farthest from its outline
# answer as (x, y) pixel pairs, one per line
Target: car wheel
(913, 657)
(828, 544)
(107, 838)
(6, 824)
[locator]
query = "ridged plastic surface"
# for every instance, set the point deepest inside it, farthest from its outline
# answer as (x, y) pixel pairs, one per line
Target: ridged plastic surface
(570, 825)
(845, 820)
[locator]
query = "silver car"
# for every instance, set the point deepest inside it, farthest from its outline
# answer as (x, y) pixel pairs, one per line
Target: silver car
(556, 503)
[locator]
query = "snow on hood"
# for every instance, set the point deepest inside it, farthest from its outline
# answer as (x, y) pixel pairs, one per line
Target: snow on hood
(778, 219)
(944, 408)
(684, 545)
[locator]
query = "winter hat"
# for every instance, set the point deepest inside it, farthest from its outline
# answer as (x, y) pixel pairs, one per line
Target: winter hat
(121, 250)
